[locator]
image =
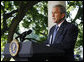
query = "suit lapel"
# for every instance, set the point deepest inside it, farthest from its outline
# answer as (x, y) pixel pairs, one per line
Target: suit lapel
(60, 31)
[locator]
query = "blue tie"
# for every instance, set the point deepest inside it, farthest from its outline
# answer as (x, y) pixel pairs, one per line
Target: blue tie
(54, 34)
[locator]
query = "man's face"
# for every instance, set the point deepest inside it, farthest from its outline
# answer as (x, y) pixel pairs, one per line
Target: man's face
(56, 15)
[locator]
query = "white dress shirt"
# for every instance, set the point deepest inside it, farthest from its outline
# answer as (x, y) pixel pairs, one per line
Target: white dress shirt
(59, 24)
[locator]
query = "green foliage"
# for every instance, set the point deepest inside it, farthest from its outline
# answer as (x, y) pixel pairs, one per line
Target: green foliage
(80, 36)
(37, 19)
(79, 16)
(3, 41)
(70, 7)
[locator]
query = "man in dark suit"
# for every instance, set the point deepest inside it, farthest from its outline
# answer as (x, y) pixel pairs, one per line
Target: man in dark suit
(63, 35)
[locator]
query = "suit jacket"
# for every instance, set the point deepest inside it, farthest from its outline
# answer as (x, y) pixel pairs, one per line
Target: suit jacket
(65, 39)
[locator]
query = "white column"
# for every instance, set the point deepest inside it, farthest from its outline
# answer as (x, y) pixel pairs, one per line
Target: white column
(50, 5)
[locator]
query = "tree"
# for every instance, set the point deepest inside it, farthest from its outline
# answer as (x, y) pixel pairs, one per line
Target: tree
(33, 16)
(77, 20)
(79, 16)
(8, 25)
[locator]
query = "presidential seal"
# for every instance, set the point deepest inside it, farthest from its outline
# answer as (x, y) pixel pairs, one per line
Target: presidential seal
(14, 47)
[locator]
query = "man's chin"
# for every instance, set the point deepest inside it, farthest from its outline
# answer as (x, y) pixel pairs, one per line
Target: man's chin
(54, 21)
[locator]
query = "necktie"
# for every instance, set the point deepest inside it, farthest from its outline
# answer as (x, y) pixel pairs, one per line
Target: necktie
(54, 34)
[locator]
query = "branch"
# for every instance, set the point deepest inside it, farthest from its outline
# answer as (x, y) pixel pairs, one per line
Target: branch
(20, 14)
(10, 14)
(5, 17)
(5, 28)
(78, 14)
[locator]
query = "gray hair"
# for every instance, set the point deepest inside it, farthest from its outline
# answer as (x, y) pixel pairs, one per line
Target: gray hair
(61, 7)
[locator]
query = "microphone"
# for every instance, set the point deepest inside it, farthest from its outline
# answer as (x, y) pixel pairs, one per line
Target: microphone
(26, 32)
(23, 35)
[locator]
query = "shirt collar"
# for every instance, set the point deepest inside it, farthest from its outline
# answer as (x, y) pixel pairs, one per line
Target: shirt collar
(60, 24)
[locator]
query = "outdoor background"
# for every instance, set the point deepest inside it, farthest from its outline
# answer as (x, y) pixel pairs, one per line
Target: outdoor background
(20, 16)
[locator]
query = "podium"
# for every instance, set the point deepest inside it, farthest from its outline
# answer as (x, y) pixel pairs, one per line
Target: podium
(24, 52)
(32, 51)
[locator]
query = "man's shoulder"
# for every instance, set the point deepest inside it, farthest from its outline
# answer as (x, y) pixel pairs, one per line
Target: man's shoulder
(71, 25)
